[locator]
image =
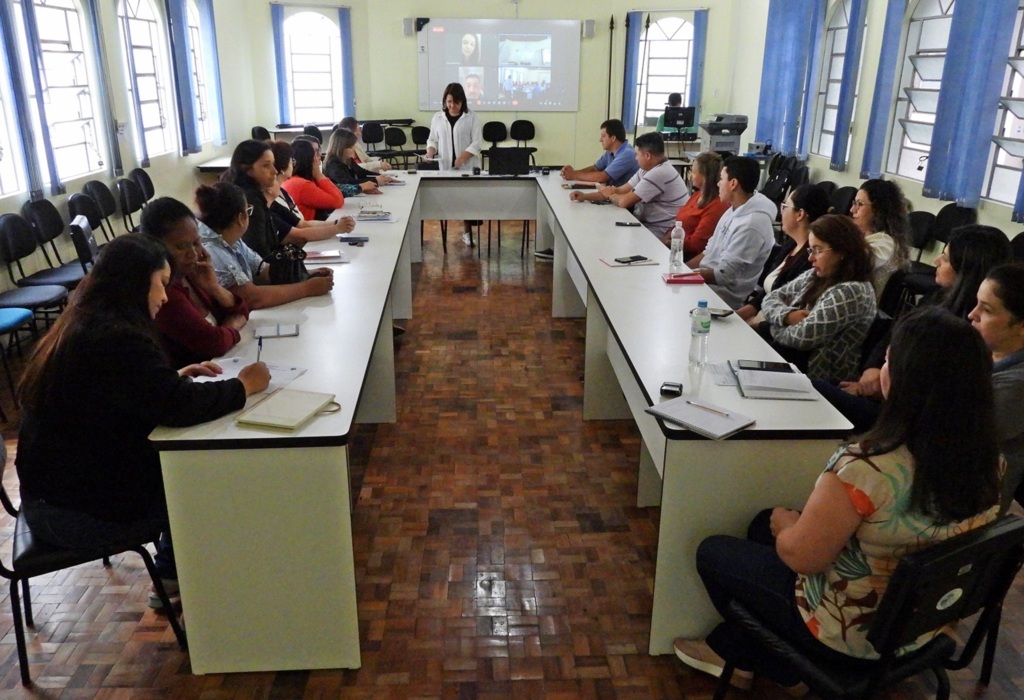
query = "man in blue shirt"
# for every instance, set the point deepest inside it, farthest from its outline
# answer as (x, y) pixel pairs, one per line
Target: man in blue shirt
(615, 166)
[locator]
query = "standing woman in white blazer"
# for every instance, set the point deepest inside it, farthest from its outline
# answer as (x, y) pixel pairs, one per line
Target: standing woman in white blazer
(455, 136)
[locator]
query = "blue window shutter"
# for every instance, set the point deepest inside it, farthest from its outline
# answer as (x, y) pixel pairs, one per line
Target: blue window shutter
(634, 27)
(113, 144)
(283, 103)
(816, 32)
(348, 84)
(215, 100)
(882, 100)
(700, 42)
(969, 100)
(848, 87)
(184, 80)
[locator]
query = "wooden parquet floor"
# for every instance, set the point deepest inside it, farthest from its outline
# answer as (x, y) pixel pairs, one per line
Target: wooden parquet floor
(498, 550)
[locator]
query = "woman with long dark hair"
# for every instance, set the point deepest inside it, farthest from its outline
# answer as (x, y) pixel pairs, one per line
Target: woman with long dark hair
(880, 212)
(821, 318)
(95, 387)
(928, 471)
(703, 209)
(253, 170)
(971, 252)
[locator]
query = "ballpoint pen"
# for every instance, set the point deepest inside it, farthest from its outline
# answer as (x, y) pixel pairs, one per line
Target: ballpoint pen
(259, 349)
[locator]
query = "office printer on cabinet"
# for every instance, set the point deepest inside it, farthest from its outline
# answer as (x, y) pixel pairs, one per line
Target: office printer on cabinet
(721, 132)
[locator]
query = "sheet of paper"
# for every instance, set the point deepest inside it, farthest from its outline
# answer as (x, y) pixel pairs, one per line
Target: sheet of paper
(280, 375)
(722, 375)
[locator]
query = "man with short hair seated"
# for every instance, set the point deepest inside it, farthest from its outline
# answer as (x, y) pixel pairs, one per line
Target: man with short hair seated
(654, 193)
(736, 253)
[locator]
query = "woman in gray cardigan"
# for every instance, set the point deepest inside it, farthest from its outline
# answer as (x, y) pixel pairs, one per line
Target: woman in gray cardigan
(999, 317)
(822, 317)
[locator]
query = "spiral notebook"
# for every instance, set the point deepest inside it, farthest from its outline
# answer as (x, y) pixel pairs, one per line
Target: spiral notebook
(285, 409)
(701, 417)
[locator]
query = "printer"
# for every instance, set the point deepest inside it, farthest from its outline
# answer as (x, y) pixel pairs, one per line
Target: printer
(721, 132)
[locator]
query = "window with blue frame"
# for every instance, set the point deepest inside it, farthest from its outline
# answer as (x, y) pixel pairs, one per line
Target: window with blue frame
(830, 83)
(924, 56)
(1004, 167)
(145, 60)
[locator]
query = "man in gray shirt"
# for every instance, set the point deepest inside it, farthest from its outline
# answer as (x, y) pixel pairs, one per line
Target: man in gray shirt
(654, 193)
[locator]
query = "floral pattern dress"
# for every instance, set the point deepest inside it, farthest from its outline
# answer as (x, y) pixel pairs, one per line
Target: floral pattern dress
(839, 604)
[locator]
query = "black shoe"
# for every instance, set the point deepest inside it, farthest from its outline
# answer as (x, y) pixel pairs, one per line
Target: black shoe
(397, 331)
(546, 254)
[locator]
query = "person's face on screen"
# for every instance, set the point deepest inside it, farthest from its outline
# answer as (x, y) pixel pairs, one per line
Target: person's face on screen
(183, 243)
(452, 107)
(468, 45)
(158, 282)
(607, 142)
(473, 88)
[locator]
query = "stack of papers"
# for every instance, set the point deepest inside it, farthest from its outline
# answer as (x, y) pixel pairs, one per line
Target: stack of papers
(758, 384)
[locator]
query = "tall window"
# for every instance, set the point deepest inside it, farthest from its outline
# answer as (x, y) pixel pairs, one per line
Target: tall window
(148, 77)
(202, 97)
(313, 67)
(826, 106)
(75, 138)
(1004, 171)
(9, 166)
(664, 66)
(923, 60)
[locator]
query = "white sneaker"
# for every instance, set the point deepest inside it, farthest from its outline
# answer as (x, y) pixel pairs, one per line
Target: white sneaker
(467, 238)
(546, 254)
(173, 593)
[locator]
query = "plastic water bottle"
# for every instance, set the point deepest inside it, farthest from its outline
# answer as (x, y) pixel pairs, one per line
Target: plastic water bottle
(675, 257)
(700, 329)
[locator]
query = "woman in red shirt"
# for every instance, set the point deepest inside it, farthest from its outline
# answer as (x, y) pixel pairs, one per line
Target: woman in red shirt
(311, 190)
(703, 209)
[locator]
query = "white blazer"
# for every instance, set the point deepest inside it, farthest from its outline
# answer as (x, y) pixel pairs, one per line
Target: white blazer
(467, 135)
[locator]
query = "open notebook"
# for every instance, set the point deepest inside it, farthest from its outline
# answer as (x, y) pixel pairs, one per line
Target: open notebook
(758, 384)
(701, 417)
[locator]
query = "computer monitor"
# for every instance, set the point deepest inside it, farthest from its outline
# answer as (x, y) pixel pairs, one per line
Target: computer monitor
(508, 161)
(680, 117)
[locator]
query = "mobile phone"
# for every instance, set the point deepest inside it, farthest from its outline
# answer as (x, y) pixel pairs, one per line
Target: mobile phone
(631, 259)
(627, 223)
(719, 313)
(764, 366)
(671, 389)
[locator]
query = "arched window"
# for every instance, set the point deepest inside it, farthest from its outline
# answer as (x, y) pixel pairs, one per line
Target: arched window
(826, 106)
(664, 66)
(66, 77)
(1004, 171)
(927, 36)
(144, 46)
(313, 67)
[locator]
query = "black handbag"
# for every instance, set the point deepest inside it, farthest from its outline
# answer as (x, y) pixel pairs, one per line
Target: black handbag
(287, 264)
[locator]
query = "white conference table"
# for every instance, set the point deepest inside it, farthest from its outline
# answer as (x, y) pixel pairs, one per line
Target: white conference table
(262, 521)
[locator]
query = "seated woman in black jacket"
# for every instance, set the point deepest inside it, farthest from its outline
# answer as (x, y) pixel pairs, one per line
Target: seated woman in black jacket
(341, 168)
(96, 386)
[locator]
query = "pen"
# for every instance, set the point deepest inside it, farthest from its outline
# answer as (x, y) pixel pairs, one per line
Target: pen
(707, 408)
(259, 348)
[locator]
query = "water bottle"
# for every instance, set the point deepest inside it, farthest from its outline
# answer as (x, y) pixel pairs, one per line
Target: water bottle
(675, 257)
(700, 329)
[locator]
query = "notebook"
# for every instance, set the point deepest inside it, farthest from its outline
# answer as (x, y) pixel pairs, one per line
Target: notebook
(701, 417)
(756, 384)
(335, 255)
(682, 278)
(285, 409)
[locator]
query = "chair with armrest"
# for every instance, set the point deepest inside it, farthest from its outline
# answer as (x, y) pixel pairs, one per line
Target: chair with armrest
(934, 587)
(104, 198)
(31, 558)
(85, 243)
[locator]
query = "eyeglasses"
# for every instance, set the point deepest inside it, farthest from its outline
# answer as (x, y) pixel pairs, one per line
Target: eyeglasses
(857, 205)
(786, 206)
(248, 210)
(816, 251)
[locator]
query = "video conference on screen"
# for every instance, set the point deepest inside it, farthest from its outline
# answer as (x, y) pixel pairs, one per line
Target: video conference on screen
(517, 65)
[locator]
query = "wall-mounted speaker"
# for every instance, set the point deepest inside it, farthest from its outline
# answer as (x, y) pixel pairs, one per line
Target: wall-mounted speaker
(407, 26)
(588, 29)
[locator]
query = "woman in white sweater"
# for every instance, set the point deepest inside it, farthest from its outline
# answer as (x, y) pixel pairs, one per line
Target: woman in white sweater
(822, 317)
(880, 212)
(455, 136)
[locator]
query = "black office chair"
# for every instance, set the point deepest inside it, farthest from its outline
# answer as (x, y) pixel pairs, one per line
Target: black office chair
(495, 133)
(1018, 246)
(132, 200)
(145, 183)
(931, 588)
(260, 133)
(19, 240)
(522, 131)
(48, 226)
(420, 135)
(842, 200)
(395, 140)
(827, 186)
(921, 280)
(85, 243)
(373, 135)
(83, 205)
(314, 131)
(922, 225)
(101, 194)
(32, 558)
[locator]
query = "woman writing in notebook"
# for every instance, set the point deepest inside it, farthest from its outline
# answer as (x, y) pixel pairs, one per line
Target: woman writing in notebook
(817, 576)
(95, 387)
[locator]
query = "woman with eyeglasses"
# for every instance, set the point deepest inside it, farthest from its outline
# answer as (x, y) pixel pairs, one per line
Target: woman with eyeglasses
(820, 319)
(224, 217)
(928, 471)
(999, 317)
(971, 252)
(291, 224)
(804, 205)
(880, 212)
